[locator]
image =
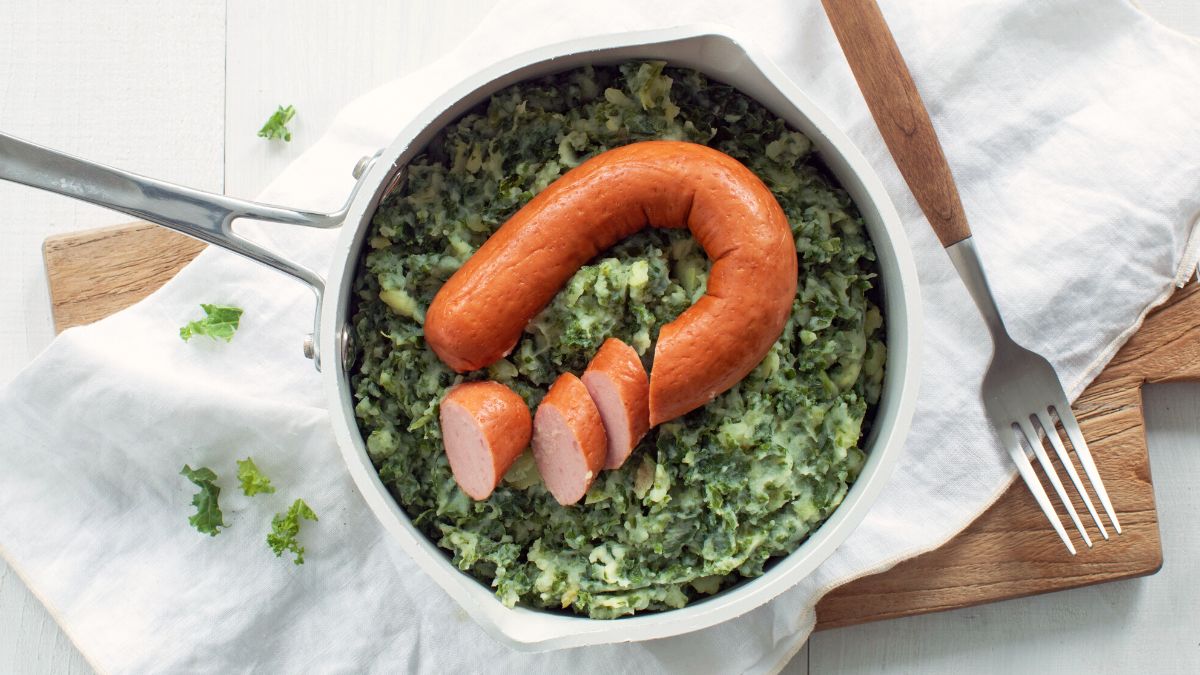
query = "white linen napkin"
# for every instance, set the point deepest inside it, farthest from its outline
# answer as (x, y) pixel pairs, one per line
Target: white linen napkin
(1070, 128)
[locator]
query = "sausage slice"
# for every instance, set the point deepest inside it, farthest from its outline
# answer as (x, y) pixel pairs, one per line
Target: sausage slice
(479, 314)
(618, 385)
(485, 427)
(569, 444)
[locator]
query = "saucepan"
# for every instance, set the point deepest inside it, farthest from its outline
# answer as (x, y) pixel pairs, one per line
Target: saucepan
(712, 50)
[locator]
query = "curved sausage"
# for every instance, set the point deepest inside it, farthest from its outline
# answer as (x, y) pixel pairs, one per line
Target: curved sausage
(485, 427)
(479, 314)
(618, 385)
(569, 444)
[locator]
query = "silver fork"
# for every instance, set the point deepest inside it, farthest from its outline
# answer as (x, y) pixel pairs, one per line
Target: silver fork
(1021, 391)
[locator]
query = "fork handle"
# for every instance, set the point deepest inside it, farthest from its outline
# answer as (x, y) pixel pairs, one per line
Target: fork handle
(902, 118)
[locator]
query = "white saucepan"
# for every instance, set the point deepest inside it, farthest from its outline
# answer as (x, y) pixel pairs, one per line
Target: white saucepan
(712, 50)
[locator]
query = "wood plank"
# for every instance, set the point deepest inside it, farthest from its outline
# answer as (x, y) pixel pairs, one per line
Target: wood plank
(1009, 551)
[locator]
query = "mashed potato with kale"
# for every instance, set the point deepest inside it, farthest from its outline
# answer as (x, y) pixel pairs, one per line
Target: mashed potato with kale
(705, 500)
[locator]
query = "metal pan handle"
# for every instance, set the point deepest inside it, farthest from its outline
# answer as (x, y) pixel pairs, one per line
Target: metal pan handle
(203, 215)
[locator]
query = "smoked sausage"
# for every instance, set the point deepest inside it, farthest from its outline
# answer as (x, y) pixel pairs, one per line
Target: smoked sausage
(569, 444)
(478, 315)
(618, 385)
(485, 427)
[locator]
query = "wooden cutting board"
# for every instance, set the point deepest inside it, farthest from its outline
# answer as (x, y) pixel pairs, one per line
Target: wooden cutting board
(1008, 552)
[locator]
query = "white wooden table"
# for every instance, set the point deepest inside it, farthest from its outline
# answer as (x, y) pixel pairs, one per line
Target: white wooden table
(178, 90)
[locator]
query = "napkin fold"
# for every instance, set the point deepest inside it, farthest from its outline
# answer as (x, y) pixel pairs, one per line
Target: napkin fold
(1069, 128)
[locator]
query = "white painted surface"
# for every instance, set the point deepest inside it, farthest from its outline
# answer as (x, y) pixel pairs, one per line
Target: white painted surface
(177, 91)
(320, 56)
(142, 88)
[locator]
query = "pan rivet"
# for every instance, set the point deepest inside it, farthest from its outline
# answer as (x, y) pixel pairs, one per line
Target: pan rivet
(346, 340)
(309, 349)
(362, 166)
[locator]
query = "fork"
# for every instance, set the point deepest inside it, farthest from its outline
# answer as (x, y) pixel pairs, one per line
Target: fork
(1021, 391)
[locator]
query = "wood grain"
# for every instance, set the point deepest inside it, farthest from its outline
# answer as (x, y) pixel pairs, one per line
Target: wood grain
(1009, 551)
(899, 113)
(95, 273)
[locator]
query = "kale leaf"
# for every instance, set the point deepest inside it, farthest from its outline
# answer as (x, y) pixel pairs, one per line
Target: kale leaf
(219, 322)
(208, 518)
(253, 480)
(276, 126)
(285, 527)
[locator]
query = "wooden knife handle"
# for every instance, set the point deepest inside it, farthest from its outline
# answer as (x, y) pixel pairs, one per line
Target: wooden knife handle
(897, 108)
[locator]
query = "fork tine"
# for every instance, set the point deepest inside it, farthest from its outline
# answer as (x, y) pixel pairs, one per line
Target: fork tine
(1039, 450)
(1067, 417)
(1009, 437)
(1051, 431)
